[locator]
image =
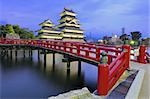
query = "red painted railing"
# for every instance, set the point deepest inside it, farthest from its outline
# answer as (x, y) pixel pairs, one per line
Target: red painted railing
(108, 74)
(88, 51)
(141, 55)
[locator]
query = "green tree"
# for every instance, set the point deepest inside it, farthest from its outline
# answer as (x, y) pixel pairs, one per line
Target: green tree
(17, 29)
(24, 33)
(136, 35)
(9, 28)
(3, 30)
(124, 37)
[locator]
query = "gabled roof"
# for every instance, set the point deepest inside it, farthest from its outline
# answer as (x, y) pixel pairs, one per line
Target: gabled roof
(46, 23)
(69, 10)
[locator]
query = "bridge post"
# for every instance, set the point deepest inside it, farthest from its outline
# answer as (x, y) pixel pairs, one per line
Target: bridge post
(87, 54)
(127, 48)
(102, 83)
(44, 58)
(103, 75)
(98, 54)
(142, 54)
(79, 68)
(78, 49)
(53, 59)
(68, 75)
(71, 48)
(24, 53)
(68, 65)
(31, 52)
(38, 54)
(109, 59)
(64, 46)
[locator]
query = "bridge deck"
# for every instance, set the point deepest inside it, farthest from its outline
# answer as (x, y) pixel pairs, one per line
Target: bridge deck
(145, 89)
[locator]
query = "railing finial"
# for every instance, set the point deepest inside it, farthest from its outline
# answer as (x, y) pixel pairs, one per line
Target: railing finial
(104, 59)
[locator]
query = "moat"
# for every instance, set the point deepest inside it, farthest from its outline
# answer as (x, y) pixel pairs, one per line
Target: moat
(28, 77)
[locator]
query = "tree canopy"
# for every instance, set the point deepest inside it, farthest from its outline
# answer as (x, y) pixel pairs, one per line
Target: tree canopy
(9, 28)
(124, 37)
(136, 35)
(24, 33)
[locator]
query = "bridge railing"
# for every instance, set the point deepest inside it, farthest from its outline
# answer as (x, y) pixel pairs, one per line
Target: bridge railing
(84, 50)
(89, 51)
(142, 57)
(108, 75)
(139, 54)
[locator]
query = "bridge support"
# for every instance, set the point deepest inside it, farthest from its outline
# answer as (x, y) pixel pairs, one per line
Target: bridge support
(53, 59)
(38, 54)
(31, 52)
(79, 68)
(24, 53)
(68, 65)
(45, 59)
(68, 74)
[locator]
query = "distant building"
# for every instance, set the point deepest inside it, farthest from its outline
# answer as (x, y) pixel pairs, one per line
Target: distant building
(67, 30)
(48, 31)
(115, 40)
(112, 40)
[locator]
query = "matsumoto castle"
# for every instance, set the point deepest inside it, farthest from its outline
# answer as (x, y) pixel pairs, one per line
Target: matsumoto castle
(67, 30)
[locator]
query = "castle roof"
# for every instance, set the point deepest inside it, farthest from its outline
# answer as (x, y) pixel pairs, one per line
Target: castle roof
(47, 22)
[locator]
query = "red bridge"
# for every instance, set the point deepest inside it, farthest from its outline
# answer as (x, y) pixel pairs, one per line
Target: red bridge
(108, 74)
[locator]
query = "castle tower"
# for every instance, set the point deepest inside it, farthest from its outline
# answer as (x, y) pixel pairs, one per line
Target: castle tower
(48, 32)
(69, 26)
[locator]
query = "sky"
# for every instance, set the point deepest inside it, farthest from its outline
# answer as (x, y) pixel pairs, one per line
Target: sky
(97, 17)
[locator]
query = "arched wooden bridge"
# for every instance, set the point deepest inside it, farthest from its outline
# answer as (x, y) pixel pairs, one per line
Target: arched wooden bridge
(108, 74)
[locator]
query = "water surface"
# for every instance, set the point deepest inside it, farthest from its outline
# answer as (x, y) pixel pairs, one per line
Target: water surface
(29, 78)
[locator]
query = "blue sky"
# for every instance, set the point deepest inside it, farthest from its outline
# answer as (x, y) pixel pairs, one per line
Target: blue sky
(98, 17)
